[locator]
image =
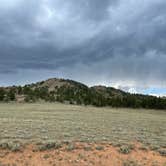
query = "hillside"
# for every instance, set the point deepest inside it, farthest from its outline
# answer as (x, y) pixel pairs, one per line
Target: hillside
(69, 91)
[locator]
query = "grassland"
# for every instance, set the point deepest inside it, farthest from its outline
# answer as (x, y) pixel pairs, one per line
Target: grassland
(45, 134)
(29, 123)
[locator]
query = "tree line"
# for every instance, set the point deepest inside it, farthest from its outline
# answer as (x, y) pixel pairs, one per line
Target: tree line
(82, 95)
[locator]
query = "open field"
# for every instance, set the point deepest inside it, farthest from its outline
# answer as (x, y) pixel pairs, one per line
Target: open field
(54, 122)
(57, 123)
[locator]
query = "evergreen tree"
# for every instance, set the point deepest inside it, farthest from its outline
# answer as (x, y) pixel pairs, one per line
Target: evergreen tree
(2, 94)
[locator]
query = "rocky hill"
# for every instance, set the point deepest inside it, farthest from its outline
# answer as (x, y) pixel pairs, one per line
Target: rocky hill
(69, 91)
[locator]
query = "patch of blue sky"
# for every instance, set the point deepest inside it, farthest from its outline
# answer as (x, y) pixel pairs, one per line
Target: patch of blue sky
(155, 91)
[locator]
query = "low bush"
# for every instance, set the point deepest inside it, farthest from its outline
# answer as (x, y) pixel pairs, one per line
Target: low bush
(87, 148)
(126, 149)
(11, 146)
(99, 148)
(48, 146)
(130, 163)
(162, 152)
(70, 147)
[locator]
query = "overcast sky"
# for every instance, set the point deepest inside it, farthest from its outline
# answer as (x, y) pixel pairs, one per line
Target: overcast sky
(120, 43)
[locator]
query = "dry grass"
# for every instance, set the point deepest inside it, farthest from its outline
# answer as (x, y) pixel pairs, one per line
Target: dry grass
(33, 123)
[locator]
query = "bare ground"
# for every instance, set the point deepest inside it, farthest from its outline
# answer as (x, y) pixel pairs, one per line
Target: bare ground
(81, 154)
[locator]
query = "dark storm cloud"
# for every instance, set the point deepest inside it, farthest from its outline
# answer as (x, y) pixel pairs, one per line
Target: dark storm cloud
(111, 41)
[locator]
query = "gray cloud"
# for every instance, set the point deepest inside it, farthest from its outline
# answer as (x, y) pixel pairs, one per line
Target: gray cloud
(110, 42)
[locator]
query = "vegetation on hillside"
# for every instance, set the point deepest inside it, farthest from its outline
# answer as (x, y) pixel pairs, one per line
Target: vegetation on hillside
(68, 91)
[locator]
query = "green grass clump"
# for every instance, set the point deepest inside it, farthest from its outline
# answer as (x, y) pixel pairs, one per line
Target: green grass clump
(48, 146)
(99, 148)
(13, 146)
(88, 148)
(154, 147)
(130, 163)
(46, 156)
(125, 149)
(70, 147)
(162, 152)
(144, 148)
(4, 145)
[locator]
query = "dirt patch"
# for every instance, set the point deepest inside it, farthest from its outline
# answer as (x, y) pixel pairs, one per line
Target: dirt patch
(82, 154)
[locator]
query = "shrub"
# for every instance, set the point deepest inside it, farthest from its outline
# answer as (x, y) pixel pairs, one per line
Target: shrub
(46, 156)
(155, 147)
(70, 147)
(15, 147)
(125, 149)
(131, 163)
(48, 146)
(162, 152)
(87, 148)
(2, 94)
(11, 146)
(99, 148)
(11, 95)
(144, 148)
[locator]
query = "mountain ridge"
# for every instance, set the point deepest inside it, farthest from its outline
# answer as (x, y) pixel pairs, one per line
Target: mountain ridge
(73, 92)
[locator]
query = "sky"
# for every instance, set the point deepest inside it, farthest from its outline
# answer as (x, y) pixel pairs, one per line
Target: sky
(119, 43)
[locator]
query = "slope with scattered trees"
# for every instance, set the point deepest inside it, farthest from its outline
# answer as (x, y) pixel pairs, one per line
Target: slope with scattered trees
(73, 92)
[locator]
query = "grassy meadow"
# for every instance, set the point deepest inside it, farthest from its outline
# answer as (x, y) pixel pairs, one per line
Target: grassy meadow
(34, 123)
